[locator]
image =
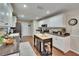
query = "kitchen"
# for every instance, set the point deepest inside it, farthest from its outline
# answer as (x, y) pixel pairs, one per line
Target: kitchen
(55, 24)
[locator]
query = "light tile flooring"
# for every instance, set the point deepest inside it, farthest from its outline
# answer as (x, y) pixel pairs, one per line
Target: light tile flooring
(55, 51)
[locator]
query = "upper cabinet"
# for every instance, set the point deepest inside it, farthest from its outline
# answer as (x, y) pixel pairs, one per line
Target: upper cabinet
(55, 21)
(40, 23)
(6, 17)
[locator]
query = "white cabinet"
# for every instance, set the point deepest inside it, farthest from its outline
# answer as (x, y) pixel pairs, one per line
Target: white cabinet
(5, 15)
(41, 22)
(55, 21)
(62, 43)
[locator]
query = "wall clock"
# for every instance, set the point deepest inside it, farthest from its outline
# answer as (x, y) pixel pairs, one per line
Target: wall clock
(72, 21)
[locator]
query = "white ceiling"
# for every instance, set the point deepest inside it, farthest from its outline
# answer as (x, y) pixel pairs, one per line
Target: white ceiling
(38, 10)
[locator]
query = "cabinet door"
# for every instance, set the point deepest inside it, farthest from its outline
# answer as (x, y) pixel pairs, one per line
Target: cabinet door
(5, 15)
(56, 21)
(60, 43)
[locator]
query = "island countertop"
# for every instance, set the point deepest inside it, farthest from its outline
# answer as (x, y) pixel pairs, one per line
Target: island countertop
(43, 36)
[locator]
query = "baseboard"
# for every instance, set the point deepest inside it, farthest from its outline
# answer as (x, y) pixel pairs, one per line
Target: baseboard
(58, 49)
(74, 51)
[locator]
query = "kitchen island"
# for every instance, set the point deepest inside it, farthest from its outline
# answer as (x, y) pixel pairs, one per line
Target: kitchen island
(43, 43)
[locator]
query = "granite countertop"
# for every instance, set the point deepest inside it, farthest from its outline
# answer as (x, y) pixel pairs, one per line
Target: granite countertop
(47, 35)
(6, 50)
(59, 35)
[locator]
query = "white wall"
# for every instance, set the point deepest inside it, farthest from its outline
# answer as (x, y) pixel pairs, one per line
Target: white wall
(74, 30)
(56, 21)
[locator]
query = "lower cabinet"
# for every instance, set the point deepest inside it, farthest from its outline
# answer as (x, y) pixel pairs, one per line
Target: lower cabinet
(62, 43)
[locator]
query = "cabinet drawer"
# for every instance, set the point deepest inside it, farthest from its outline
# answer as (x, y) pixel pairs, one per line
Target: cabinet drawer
(60, 43)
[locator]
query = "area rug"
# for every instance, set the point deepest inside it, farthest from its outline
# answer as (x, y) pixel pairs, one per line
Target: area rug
(26, 49)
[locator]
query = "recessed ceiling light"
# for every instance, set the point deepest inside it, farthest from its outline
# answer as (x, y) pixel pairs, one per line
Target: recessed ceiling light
(25, 5)
(47, 12)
